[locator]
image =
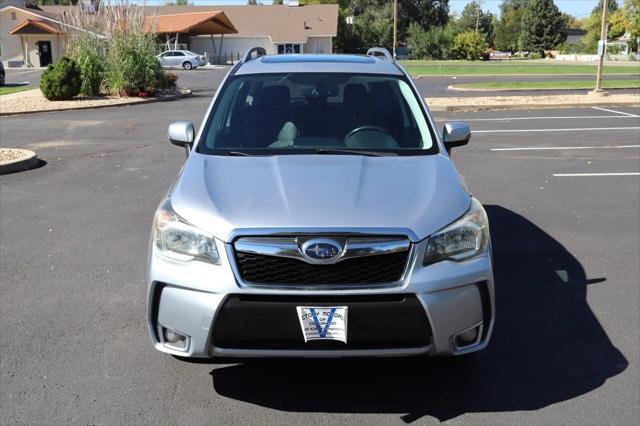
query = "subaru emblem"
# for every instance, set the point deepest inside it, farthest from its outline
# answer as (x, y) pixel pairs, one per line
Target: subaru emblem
(321, 249)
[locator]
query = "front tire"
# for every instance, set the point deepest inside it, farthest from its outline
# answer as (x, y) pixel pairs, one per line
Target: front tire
(187, 65)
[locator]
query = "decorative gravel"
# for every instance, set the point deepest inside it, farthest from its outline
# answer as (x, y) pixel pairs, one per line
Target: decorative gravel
(546, 100)
(33, 101)
(11, 155)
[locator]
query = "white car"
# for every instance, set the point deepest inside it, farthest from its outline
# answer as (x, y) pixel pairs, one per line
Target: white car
(181, 58)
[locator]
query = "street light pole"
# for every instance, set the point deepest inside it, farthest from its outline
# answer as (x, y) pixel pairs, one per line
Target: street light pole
(602, 49)
(395, 26)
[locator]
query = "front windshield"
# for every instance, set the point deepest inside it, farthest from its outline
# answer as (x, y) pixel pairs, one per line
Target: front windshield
(302, 112)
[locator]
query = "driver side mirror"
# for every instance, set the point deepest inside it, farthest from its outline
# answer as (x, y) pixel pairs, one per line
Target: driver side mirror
(182, 133)
(455, 133)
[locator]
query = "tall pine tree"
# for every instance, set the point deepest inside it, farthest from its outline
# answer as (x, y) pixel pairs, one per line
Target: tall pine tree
(541, 25)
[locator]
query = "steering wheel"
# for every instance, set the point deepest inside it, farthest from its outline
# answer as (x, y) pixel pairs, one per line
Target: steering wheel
(368, 128)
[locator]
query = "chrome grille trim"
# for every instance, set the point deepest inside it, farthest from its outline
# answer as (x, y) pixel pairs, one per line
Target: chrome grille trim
(291, 247)
(332, 288)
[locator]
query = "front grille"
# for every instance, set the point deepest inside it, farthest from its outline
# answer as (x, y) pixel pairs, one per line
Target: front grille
(375, 269)
(271, 322)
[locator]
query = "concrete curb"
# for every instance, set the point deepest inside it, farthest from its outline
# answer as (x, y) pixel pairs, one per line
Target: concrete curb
(455, 88)
(27, 163)
(467, 108)
(185, 93)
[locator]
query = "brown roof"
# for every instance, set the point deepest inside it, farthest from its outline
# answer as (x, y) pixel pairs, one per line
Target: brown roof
(283, 23)
(34, 26)
(192, 23)
(20, 4)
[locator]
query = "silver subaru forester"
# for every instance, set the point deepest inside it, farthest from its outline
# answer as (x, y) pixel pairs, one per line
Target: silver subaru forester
(319, 215)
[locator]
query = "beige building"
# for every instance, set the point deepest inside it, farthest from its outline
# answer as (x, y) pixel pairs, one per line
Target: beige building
(31, 36)
(279, 29)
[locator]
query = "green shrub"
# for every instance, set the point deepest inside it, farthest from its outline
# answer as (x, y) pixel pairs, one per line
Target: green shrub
(61, 81)
(569, 48)
(88, 51)
(433, 44)
(132, 67)
(469, 46)
(167, 80)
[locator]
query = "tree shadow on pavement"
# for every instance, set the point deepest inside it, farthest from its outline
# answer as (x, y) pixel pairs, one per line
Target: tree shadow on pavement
(547, 347)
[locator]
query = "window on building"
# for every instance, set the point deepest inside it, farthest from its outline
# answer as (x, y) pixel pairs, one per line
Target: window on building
(13, 16)
(289, 48)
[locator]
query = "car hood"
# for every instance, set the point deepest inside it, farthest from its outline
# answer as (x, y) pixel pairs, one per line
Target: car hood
(409, 195)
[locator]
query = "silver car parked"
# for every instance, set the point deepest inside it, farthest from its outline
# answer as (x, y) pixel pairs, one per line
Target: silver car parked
(319, 214)
(181, 58)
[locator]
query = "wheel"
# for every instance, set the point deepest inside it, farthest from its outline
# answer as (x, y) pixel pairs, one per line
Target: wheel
(187, 65)
(1, 79)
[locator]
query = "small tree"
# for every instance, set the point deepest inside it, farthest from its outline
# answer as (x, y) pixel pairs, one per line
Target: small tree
(469, 45)
(61, 82)
(433, 44)
(472, 15)
(541, 25)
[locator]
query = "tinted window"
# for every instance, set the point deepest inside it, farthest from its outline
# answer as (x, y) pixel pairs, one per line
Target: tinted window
(307, 111)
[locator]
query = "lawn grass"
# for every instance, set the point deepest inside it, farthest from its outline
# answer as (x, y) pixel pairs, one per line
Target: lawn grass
(551, 85)
(5, 90)
(445, 68)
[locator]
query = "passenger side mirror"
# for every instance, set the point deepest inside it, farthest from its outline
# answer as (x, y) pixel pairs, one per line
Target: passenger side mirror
(182, 133)
(455, 133)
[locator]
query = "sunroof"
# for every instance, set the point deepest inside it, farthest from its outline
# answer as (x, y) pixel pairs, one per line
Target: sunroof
(349, 59)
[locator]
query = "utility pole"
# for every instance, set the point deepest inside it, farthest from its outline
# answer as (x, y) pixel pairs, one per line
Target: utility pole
(478, 14)
(602, 49)
(395, 26)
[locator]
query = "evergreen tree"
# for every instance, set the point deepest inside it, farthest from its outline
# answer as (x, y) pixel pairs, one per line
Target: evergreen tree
(541, 25)
(426, 13)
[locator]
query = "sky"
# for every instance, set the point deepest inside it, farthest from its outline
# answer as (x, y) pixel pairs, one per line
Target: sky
(577, 8)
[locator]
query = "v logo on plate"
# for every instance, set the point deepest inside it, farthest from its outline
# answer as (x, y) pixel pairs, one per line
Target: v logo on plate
(322, 331)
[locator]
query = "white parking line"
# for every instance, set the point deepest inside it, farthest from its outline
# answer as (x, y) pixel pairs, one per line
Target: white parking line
(544, 148)
(617, 112)
(595, 174)
(555, 130)
(573, 117)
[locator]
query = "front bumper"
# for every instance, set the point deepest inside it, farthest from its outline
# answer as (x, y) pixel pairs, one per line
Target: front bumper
(190, 297)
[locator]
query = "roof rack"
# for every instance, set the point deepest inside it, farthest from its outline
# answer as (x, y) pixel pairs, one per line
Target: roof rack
(259, 51)
(381, 51)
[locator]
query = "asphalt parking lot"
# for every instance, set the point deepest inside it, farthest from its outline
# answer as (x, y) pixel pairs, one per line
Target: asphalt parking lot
(562, 189)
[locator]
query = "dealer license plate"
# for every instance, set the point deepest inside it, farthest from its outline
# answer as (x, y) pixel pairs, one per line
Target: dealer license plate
(323, 322)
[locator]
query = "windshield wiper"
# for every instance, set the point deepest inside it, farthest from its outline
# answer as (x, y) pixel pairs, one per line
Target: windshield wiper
(239, 154)
(355, 152)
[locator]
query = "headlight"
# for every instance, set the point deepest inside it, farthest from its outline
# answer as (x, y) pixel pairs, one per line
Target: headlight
(464, 238)
(179, 240)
